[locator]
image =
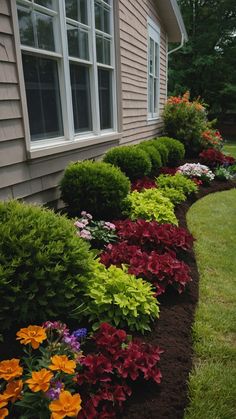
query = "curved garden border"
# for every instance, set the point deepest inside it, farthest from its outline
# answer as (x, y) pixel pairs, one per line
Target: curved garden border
(172, 332)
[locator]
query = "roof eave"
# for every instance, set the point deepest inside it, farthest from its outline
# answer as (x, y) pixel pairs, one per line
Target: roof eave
(172, 18)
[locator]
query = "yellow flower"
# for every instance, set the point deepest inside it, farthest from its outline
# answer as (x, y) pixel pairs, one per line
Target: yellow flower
(10, 369)
(3, 413)
(40, 380)
(13, 390)
(66, 405)
(62, 363)
(31, 334)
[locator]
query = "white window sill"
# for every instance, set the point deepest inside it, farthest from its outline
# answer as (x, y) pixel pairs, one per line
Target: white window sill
(43, 148)
(154, 120)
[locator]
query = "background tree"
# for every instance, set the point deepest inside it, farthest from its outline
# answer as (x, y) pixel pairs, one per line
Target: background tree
(207, 64)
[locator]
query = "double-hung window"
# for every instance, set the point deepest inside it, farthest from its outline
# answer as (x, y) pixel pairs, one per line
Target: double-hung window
(69, 70)
(153, 69)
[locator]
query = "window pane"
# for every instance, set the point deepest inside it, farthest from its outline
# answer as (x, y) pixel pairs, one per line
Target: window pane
(99, 47)
(156, 59)
(102, 18)
(106, 21)
(155, 95)
(77, 10)
(26, 27)
(107, 53)
(150, 94)
(45, 34)
(105, 98)
(43, 97)
(151, 54)
(77, 42)
(45, 3)
(81, 97)
(103, 46)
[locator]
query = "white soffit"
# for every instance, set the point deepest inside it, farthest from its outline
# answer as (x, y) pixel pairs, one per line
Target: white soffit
(170, 14)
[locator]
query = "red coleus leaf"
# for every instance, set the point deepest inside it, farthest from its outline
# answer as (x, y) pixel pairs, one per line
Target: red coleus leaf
(213, 158)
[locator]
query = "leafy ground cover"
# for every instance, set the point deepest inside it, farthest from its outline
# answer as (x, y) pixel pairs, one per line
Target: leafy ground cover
(213, 382)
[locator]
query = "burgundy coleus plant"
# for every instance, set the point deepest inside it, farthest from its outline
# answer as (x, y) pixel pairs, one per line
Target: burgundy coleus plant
(160, 269)
(214, 158)
(154, 236)
(144, 183)
(106, 375)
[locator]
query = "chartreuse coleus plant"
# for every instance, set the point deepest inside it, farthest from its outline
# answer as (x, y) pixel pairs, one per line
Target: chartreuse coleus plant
(176, 187)
(150, 205)
(117, 297)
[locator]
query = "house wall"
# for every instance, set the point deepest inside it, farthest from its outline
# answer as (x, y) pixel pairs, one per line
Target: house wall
(36, 179)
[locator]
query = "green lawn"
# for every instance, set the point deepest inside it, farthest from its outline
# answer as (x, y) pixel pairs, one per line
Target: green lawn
(212, 220)
(230, 148)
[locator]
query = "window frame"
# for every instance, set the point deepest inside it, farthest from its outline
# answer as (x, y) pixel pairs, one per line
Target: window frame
(70, 139)
(153, 33)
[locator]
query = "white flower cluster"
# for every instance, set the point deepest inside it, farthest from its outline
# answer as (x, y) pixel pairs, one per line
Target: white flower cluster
(196, 170)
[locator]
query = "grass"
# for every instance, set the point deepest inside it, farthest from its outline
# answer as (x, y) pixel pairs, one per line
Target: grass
(230, 148)
(212, 384)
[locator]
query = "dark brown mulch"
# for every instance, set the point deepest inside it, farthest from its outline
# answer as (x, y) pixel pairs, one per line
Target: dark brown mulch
(172, 333)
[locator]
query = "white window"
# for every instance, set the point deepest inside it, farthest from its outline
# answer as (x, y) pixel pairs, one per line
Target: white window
(153, 69)
(68, 63)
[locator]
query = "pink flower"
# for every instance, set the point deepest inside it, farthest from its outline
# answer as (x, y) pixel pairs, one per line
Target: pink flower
(85, 234)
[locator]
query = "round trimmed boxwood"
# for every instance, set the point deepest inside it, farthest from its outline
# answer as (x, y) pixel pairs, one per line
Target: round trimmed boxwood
(96, 187)
(133, 161)
(154, 156)
(43, 264)
(161, 148)
(175, 148)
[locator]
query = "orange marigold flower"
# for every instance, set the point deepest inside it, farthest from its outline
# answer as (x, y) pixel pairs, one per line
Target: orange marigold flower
(13, 390)
(10, 369)
(40, 380)
(33, 335)
(62, 363)
(3, 413)
(66, 405)
(3, 400)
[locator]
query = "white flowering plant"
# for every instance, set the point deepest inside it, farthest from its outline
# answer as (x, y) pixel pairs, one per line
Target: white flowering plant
(197, 171)
(99, 233)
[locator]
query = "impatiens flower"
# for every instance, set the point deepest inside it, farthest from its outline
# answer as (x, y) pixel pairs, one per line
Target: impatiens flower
(33, 335)
(40, 380)
(62, 363)
(66, 405)
(13, 390)
(10, 369)
(3, 413)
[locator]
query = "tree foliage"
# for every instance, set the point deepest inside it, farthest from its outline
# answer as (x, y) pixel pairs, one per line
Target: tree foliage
(206, 64)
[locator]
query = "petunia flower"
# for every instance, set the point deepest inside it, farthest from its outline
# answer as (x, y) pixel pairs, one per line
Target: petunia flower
(10, 369)
(62, 363)
(33, 335)
(66, 406)
(40, 380)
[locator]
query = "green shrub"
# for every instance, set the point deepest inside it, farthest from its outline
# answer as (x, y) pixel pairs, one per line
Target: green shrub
(42, 264)
(119, 298)
(161, 148)
(175, 148)
(178, 182)
(133, 161)
(185, 121)
(95, 187)
(150, 205)
(154, 156)
(174, 195)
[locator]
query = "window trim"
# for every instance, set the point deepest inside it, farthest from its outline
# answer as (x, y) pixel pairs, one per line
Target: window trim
(71, 140)
(154, 33)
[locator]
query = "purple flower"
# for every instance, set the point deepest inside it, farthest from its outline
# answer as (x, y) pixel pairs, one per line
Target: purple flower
(54, 392)
(109, 226)
(80, 333)
(72, 341)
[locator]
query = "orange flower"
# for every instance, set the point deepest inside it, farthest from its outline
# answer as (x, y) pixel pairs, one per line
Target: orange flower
(3, 413)
(66, 405)
(3, 400)
(62, 363)
(10, 369)
(40, 380)
(32, 334)
(13, 390)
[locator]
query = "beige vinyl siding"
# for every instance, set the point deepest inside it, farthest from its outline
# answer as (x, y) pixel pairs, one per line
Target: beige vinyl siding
(36, 179)
(133, 52)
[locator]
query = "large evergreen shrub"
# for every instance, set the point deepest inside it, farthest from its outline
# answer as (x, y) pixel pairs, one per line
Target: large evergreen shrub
(176, 150)
(95, 187)
(42, 264)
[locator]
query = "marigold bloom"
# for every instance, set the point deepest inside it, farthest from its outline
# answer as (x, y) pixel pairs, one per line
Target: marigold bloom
(3, 413)
(66, 405)
(10, 369)
(33, 335)
(62, 363)
(3, 400)
(40, 380)
(13, 390)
